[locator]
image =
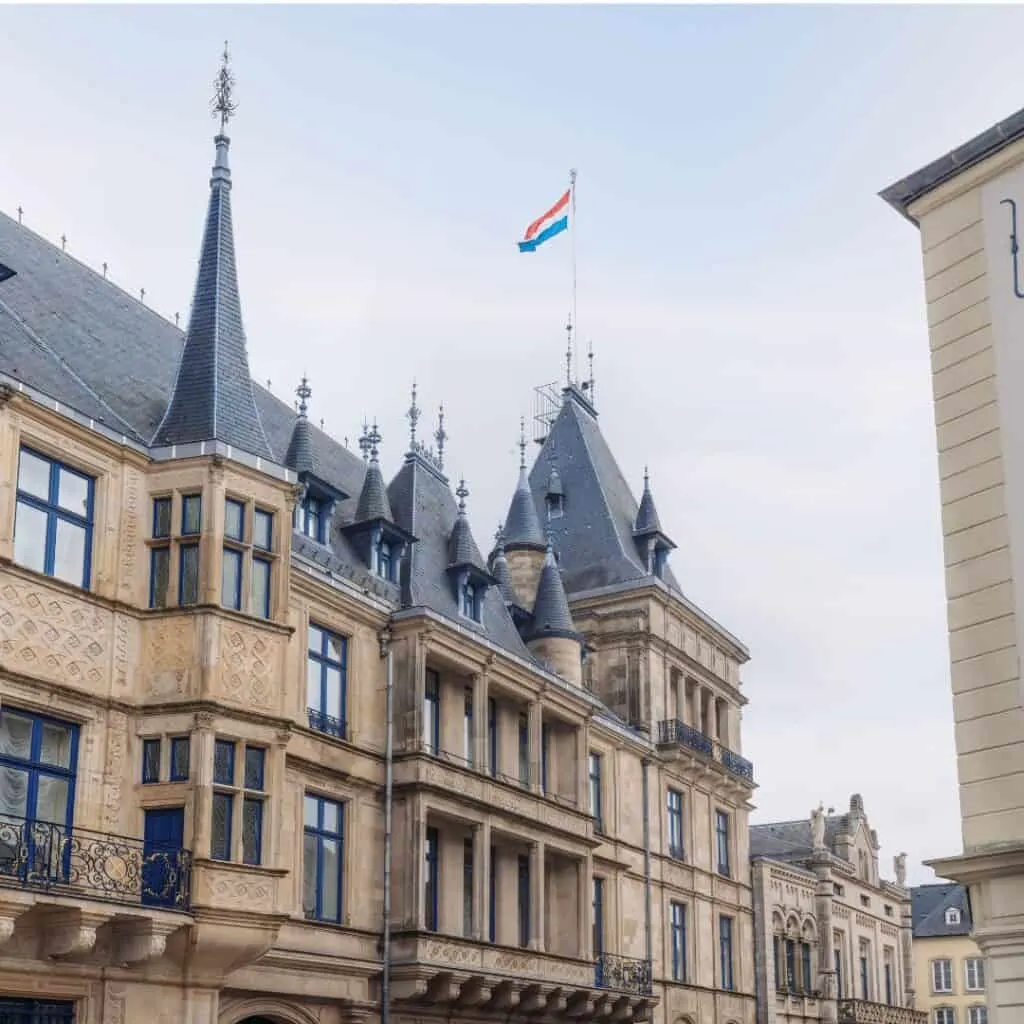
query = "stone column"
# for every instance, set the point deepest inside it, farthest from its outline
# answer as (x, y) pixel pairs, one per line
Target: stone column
(481, 755)
(907, 952)
(826, 962)
(535, 718)
(418, 828)
(202, 760)
(419, 689)
(537, 896)
(583, 767)
(585, 878)
(211, 547)
(481, 880)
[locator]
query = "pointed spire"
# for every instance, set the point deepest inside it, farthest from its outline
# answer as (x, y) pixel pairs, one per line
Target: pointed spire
(413, 415)
(647, 516)
(461, 550)
(300, 448)
(373, 498)
(522, 525)
(440, 436)
(551, 615)
(212, 398)
(500, 570)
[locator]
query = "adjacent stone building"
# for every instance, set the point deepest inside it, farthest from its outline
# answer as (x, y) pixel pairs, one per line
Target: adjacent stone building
(947, 961)
(832, 937)
(279, 744)
(967, 206)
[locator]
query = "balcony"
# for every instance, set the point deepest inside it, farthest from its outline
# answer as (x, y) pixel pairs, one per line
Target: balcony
(322, 722)
(674, 733)
(623, 974)
(859, 1011)
(78, 862)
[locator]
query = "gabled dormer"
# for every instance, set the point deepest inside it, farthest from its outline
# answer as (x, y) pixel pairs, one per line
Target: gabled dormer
(465, 566)
(373, 533)
(652, 543)
(318, 499)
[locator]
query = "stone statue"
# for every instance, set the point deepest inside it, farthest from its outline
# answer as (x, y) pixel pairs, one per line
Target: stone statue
(818, 827)
(899, 862)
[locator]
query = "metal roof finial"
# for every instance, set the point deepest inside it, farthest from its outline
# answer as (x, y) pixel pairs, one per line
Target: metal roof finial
(142, 295)
(522, 442)
(104, 270)
(63, 243)
(413, 416)
(222, 105)
(462, 493)
(590, 362)
(440, 436)
(177, 319)
(305, 392)
(568, 352)
(374, 439)
(364, 441)
(21, 213)
(499, 536)
(647, 480)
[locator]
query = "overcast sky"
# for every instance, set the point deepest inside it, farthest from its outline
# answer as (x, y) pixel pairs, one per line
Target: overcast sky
(756, 311)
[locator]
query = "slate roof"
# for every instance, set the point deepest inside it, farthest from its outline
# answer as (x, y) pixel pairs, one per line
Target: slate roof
(522, 524)
(212, 397)
(373, 497)
(782, 839)
(929, 904)
(647, 520)
(594, 534)
(500, 571)
(551, 615)
(903, 193)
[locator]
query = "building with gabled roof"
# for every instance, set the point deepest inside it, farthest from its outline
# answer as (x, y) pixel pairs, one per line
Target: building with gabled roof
(280, 744)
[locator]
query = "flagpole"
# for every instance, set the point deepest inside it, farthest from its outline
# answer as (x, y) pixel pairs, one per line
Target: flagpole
(572, 200)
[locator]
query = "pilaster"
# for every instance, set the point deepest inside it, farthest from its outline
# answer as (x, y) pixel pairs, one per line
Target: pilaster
(535, 720)
(537, 896)
(481, 880)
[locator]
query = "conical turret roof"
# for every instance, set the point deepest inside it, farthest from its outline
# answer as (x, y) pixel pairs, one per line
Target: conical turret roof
(551, 615)
(647, 515)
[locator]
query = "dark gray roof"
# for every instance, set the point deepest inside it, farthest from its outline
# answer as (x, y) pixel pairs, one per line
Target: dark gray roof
(212, 397)
(300, 449)
(373, 497)
(929, 904)
(424, 505)
(594, 534)
(647, 517)
(462, 549)
(500, 571)
(793, 839)
(522, 525)
(551, 615)
(904, 192)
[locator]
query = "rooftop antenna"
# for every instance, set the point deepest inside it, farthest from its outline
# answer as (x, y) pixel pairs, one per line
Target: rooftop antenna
(568, 352)
(413, 415)
(440, 436)
(222, 105)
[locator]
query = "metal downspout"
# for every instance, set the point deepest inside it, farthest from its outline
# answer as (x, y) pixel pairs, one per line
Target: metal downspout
(385, 984)
(645, 765)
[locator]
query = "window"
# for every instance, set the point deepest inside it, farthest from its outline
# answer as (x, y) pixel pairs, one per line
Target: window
(805, 963)
(179, 758)
(838, 890)
(432, 712)
(725, 952)
(597, 939)
(467, 888)
(492, 737)
(677, 918)
(231, 579)
(326, 681)
(492, 886)
(544, 741)
(722, 842)
(311, 517)
(675, 823)
(151, 760)
(888, 983)
(467, 727)
(595, 791)
(977, 1015)
(865, 988)
(838, 958)
(259, 587)
(430, 881)
(942, 976)
(188, 574)
(37, 767)
(160, 554)
(234, 520)
(263, 530)
(790, 965)
(191, 514)
(225, 804)
(888, 910)
(323, 848)
(945, 1015)
(53, 519)
(524, 901)
(952, 915)
(865, 901)
(974, 971)
(470, 604)
(524, 752)
(384, 561)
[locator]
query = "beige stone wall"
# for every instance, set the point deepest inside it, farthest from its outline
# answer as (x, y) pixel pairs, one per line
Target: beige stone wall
(957, 949)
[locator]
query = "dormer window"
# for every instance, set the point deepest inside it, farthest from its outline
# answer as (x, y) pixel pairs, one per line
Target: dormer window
(555, 506)
(311, 514)
(470, 602)
(952, 916)
(385, 561)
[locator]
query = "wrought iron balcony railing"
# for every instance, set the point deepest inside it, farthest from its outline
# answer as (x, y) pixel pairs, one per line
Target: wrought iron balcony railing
(672, 732)
(322, 722)
(623, 974)
(39, 855)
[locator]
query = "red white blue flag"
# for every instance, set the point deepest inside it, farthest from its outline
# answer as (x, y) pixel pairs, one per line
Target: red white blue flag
(549, 224)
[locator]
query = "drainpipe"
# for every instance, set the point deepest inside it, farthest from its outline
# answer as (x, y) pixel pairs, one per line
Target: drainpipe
(384, 638)
(645, 765)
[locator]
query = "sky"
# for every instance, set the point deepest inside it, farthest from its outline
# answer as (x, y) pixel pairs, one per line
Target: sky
(755, 310)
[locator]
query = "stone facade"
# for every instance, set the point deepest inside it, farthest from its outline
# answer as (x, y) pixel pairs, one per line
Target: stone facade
(832, 937)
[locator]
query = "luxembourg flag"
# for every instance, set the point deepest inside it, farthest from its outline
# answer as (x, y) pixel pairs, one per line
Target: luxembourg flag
(552, 223)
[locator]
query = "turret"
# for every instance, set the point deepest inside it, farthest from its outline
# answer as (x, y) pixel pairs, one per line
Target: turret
(524, 541)
(551, 635)
(652, 543)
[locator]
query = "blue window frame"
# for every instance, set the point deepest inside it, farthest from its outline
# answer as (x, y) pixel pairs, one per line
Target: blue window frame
(311, 515)
(234, 520)
(467, 888)
(255, 761)
(524, 901)
(262, 530)
(220, 832)
(432, 712)
(467, 727)
(151, 760)
(678, 939)
(259, 587)
(231, 579)
(492, 896)
(492, 737)
(384, 561)
(188, 574)
(430, 881)
(38, 756)
(53, 521)
(722, 843)
(159, 575)
(252, 830)
(595, 791)
(524, 751)
(597, 899)
(224, 763)
(470, 604)
(180, 750)
(323, 858)
(327, 681)
(544, 740)
(161, 518)
(725, 953)
(674, 812)
(191, 514)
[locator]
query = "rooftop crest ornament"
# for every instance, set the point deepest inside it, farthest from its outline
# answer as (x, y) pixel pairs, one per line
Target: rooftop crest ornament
(222, 105)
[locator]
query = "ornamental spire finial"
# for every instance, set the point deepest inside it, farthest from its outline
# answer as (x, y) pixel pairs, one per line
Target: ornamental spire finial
(568, 352)
(462, 493)
(364, 441)
(374, 439)
(304, 393)
(522, 442)
(222, 105)
(440, 436)
(413, 416)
